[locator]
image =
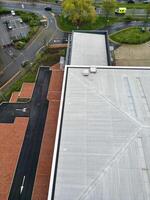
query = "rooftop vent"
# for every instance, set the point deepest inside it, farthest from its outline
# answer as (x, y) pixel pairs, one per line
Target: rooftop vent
(111, 48)
(85, 72)
(93, 69)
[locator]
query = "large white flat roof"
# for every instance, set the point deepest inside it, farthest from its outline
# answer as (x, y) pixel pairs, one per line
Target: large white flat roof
(89, 49)
(102, 148)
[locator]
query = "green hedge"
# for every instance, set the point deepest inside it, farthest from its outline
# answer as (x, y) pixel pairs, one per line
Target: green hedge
(30, 18)
(19, 44)
(4, 11)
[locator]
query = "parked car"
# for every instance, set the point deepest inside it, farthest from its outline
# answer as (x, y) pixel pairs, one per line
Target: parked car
(9, 27)
(20, 20)
(48, 8)
(25, 63)
(13, 13)
(131, 1)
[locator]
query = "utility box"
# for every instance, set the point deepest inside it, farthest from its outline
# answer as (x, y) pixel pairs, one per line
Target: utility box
(62, 62)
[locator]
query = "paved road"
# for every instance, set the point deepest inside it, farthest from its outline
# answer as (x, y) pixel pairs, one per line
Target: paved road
(119, 26)
(135, 12)
(47, 34)
(122, 25)
(23, 181)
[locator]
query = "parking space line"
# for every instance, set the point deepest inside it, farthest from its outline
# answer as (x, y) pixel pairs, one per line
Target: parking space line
(21, 27)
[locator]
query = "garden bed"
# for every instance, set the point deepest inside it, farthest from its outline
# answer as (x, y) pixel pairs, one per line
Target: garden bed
(133, 35)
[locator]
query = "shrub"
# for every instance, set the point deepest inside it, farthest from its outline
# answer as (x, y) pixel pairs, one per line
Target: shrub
(19, 44)
(4, 11)
(128, 18)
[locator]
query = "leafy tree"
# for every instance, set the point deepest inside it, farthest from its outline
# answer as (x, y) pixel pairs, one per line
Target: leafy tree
(108, 7)
(148, 11)
(147, 15)
(79, 11)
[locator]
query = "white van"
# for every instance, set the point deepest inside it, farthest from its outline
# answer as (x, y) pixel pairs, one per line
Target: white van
(13, 13)
(121, 11)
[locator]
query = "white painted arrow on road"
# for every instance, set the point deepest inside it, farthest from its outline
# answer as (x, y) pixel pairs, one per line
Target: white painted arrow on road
(22, 186)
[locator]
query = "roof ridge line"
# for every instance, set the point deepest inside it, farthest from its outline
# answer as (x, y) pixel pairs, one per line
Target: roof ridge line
(108, 166)
(121, 111)
(97, 93)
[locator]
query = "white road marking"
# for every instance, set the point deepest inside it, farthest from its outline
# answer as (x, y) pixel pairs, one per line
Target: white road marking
(20, 109)
(22, 185)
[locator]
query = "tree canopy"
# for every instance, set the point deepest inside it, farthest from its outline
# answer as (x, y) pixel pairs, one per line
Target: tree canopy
(79, 11)
(108, 7)
(148, 11)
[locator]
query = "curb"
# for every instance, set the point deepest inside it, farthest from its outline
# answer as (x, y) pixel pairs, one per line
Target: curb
(119, 32)
(30, 3)
(10, 80)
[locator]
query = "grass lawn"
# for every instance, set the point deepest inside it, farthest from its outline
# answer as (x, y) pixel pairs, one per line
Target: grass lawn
(128, 5)
(48, 58)
(100, 22)
(132, 35)
(133, 5)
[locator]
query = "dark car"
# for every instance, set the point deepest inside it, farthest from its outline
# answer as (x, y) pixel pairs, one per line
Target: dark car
(48, 8)
(131, 1)
(25, 63)
(8, 25)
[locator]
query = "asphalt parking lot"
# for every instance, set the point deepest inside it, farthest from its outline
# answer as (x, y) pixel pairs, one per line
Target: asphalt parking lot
(12, 28)
(4, 39)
